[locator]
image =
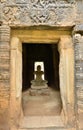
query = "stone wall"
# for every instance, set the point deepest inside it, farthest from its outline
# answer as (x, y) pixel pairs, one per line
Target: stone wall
(20, 13)
(4, 75)
(78, 39)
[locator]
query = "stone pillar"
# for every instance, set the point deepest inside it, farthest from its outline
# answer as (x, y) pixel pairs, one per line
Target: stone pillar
(66, 71)
(4, 76)
(16, 81)
(78, 42)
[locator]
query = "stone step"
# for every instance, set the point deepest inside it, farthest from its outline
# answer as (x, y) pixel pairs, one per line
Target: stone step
(51, 128)
(44, 129)
(37, 122)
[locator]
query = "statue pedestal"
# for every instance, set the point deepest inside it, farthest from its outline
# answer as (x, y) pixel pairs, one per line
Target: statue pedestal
(39, 88)
(39, 84)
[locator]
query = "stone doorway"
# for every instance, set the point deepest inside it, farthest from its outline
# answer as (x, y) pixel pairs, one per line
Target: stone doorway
(65, 47)
(49, 55)
(47, 104)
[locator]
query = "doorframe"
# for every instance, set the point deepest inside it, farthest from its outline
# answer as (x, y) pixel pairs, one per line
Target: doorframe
(63, 38)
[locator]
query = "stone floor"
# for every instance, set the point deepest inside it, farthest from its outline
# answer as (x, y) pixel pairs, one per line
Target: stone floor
(41, 111)
(31, 122)
(42, 105)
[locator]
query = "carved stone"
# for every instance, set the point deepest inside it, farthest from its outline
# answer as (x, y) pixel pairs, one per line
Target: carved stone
(38, 12)
(62, 14)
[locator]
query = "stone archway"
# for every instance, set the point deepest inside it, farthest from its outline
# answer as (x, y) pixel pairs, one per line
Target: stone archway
(66, 67)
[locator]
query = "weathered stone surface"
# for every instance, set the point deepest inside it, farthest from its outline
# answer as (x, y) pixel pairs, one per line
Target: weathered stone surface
(4, 76)
(78, 28)
(79, 75)
(53, 128)
(4, 105)
(4, 34)
(38, 12)
(79, 14)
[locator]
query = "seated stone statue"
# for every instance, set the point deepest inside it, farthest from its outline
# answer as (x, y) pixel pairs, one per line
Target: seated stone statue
(38, 73)
(38, 81)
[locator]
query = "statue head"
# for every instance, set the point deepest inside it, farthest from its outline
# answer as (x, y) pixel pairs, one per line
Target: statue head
(39, 68)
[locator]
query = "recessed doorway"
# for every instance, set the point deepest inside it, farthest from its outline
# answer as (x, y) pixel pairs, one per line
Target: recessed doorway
(45, 104)
(47, 53)
(64, 45)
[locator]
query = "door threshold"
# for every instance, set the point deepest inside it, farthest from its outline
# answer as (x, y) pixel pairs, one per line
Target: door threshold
(41, 122)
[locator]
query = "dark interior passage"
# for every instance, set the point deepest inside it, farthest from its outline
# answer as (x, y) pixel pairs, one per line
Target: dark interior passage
(47, 53)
